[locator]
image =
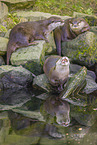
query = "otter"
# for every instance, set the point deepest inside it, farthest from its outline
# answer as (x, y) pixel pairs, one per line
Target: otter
(54, 106)
(56, 69)
(23, 34)
(71, 29)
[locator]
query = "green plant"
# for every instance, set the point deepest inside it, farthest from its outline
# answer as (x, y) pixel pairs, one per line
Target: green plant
(11, 20)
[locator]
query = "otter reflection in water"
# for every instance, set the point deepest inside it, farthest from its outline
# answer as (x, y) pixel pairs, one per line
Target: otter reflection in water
(58, 109)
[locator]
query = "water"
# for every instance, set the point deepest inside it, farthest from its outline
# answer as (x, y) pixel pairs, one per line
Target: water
(30, 117)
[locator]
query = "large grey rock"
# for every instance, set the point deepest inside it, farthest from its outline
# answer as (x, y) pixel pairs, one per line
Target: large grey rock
(3, 45)
(29, 57)
(82, 49)
(34, 16)
(3, 10)
(15, 77)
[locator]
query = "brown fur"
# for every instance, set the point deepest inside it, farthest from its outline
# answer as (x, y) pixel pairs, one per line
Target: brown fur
(65, 33)
(57, 73)
(23, 34)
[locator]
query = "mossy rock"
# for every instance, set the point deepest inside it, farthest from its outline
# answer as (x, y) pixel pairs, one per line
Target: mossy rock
(15, 77)
(3, 45)
(29, 57)
(3, 10)
(82, 50)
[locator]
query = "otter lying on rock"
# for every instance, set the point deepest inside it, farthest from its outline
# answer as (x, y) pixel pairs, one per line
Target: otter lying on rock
(23, 34)
(56, 69)
(70, 30)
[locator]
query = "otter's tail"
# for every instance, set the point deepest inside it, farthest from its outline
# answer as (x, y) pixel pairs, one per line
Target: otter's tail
(10, 48)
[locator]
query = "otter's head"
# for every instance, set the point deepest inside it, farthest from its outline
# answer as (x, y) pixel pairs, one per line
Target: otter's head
(53, 23)
(63, 61)
(78, 25)
(62, 114)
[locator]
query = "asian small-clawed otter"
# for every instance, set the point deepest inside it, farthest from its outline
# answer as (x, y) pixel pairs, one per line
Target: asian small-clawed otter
(54, 106)
(71, 29)
(56, 69)
(23, 34)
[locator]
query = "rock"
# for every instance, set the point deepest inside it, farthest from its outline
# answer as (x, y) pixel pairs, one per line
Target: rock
(15, 77)
(93, 29)
(91, 19)
(34, 16)
(7, 33)
(82, 50)
(1, 61)
(41, 82)
(50, 47)
(73, 83)
(75, 67)
(29, 57)
(14, 97)
(84, 116)
(91, 85)
(17, 4)
(3, 10)
(3, 45)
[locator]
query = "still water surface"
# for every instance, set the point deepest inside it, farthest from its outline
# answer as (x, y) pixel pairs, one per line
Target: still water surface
(26, 118)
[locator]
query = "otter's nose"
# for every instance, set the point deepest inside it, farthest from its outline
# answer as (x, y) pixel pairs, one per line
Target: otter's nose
(75, 25)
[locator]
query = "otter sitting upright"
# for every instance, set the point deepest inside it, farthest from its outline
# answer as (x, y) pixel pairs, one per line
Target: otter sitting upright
(70, 30)
(23, 34)
(56, 69)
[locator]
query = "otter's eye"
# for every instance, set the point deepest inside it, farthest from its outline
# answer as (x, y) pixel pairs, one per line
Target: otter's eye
(78, 24)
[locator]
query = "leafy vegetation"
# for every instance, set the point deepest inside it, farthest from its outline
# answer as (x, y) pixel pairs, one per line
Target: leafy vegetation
(11, 20)
(66, 7)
